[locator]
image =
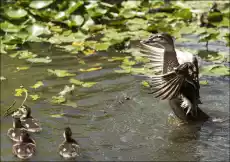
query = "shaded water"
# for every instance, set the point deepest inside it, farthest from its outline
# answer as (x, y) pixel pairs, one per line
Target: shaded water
(107, 125)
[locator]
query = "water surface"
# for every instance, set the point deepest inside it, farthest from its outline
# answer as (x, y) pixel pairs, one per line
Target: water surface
(116, 119)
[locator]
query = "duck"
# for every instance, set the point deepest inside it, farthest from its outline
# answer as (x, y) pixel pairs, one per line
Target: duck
(176, 77)
(15, 133)
(214, 15)
(25, 147)
(30, 123)
(69, 148)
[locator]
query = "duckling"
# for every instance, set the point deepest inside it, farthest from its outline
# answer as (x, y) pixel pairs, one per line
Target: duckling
(177, 79)
(25, 148)
(31, 124)
(69, 148)
(17, 130)
(214, 15)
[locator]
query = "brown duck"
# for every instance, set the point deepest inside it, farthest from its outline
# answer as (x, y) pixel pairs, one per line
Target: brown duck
(177, 77)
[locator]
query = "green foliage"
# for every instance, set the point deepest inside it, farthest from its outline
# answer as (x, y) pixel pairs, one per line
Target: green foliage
(68, 21)
(215, 70)
(61, 73)
(37, 85)
(81, 83)
(58, 99)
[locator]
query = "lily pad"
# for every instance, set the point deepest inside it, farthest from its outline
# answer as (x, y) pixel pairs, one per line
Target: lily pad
(61, 16)
(16, 13)
(185, 14)
(37, 85)
(215, 70)
(58, 99)
(9, 27)
(75, 81)
(35, 97)
(57, 115)
(77, 20)
(22, 68)
(203, 82)
(40, 60)
(60, 73)
(20, 91)
(130, 4)
(87, 24)
(73, 6)
(88, 84)
(40, 4)
(81, 83)
(145, 84)
(91, 69)
(38, 29)
(23, 54)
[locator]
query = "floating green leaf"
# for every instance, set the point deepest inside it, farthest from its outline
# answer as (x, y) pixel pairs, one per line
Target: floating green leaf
(77, 20)
(75, 81)
(9, 27)
(57, 115)
(16, 13)
(203, 82)
(40, 60)
(184, 13)
(20, 91)
(37, 85)
(83, 84)
(22, 68)
(23, 54)
(88, 84)
(60, 73)
(91, 69)
(40, 4)
(58, 99)
(38, 29)
(87, 24)
(215, 70)
(73, 6)
(35, 97)
(145, 84)
(130, 4)
(61, 16)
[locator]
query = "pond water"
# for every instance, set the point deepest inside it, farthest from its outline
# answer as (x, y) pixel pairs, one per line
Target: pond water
(107, 124)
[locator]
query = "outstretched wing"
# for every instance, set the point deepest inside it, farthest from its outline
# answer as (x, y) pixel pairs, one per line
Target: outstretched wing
(161, 61)
(167, 86)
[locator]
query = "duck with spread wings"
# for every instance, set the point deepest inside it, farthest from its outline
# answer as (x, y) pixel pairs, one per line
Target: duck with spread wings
(176, 77)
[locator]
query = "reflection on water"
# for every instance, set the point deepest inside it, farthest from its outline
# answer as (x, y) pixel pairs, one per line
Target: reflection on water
(116, 119)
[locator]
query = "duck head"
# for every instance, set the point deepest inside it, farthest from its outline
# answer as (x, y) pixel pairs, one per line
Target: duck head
(67, 134)
(26, 111)
(22, 112)
(163, 39)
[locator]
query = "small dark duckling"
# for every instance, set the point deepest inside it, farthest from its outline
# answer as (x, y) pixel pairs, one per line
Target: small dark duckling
(25, 148)
(214, 15)
(69, 149)
(31, 124)
(17, 130)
